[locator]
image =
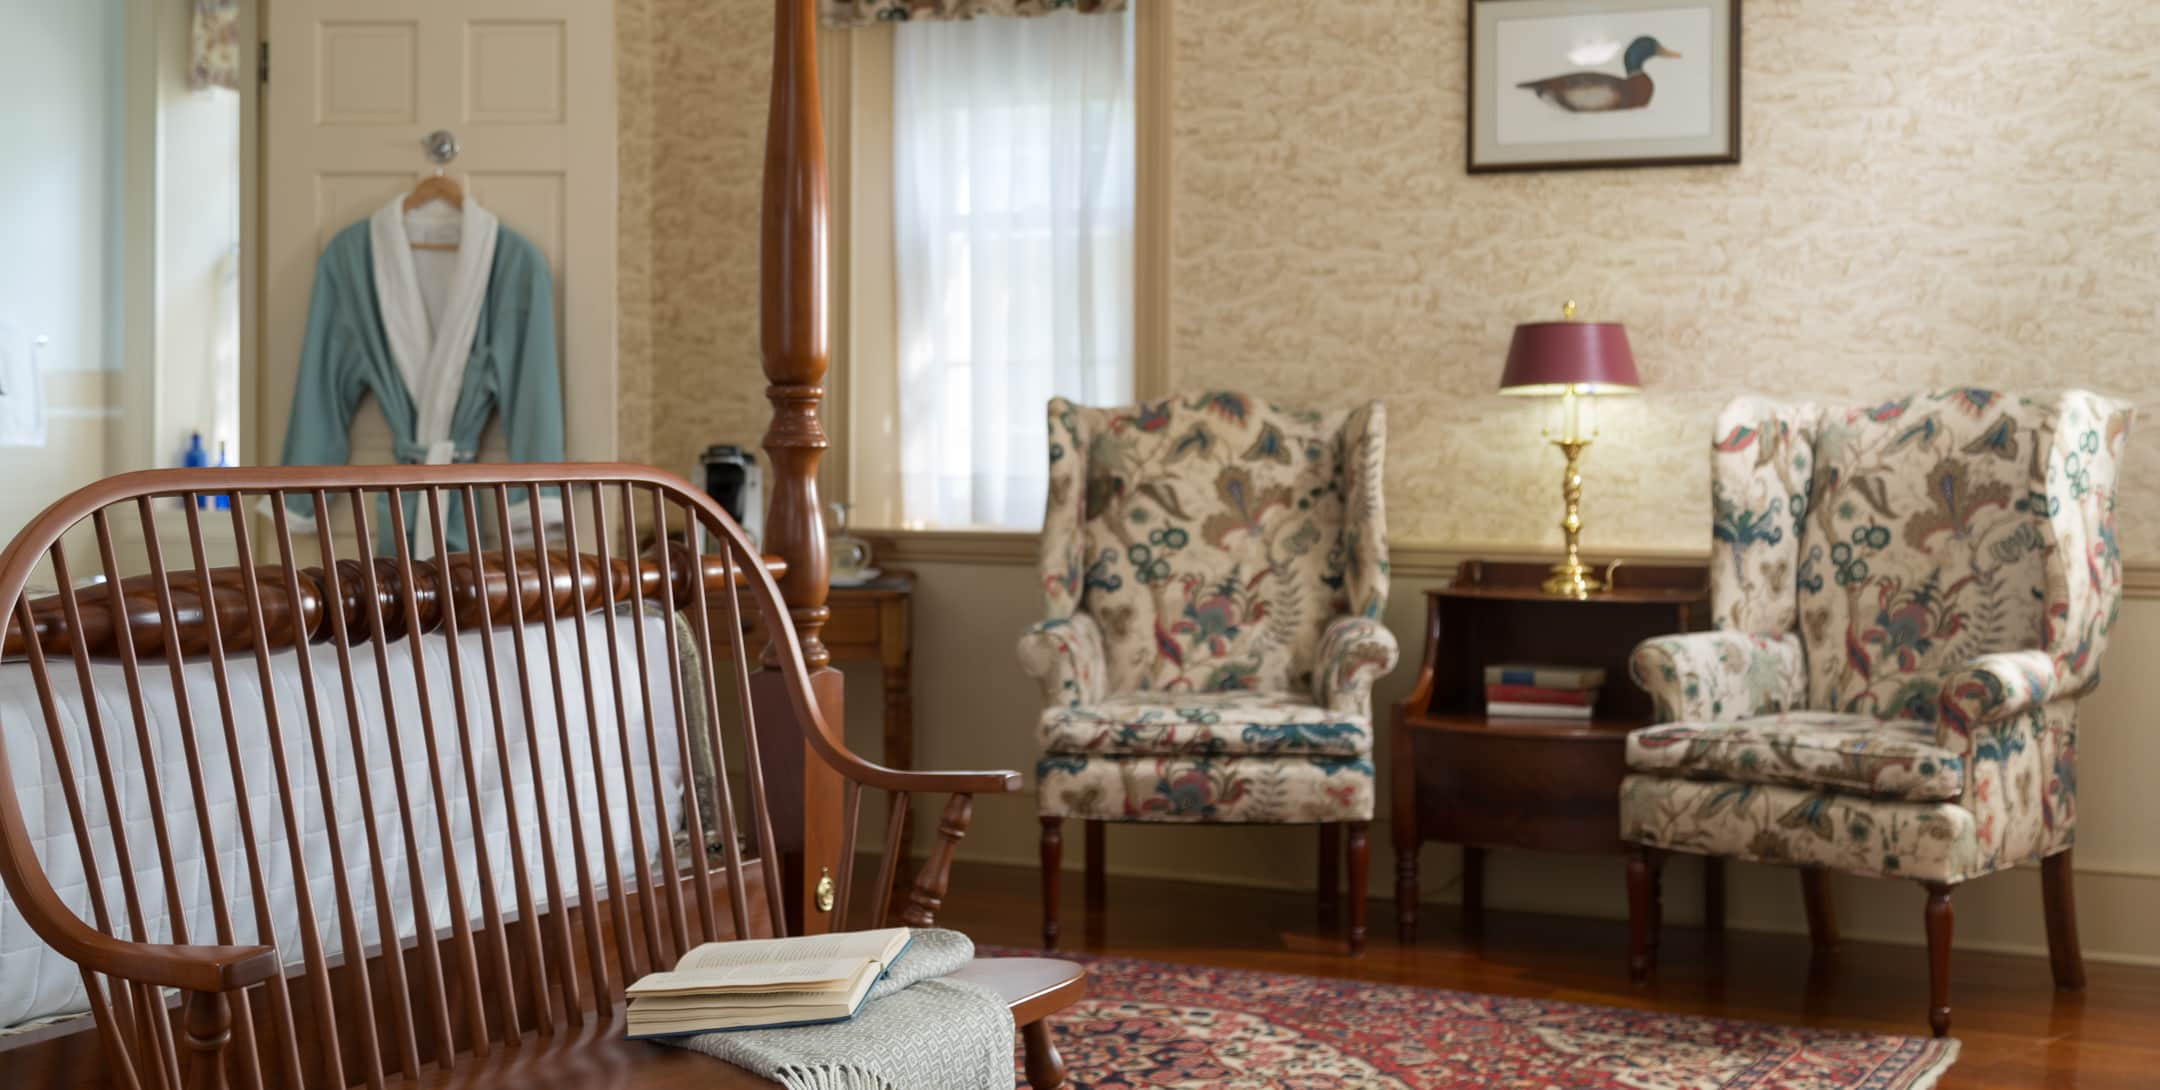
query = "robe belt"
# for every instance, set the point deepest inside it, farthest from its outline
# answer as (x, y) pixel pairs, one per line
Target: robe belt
(444, 453)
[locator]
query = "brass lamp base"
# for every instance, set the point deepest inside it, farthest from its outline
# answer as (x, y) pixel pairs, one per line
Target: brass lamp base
(1571, 578)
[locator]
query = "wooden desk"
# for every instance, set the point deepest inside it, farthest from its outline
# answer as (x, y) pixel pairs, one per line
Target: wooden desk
(1546, 785)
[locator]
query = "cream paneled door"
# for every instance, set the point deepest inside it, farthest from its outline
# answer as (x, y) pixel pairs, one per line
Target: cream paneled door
(527, 87)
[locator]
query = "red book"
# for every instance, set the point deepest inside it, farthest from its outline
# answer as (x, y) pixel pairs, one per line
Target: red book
(1533, 694)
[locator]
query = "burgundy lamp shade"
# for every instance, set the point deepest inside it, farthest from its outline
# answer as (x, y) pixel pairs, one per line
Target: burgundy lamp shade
(1548, 357)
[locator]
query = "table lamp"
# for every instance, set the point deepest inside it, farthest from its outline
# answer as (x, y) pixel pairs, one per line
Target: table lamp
(1572, 361)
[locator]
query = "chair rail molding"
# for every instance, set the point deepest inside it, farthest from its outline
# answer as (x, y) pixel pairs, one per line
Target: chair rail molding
(1421, 560)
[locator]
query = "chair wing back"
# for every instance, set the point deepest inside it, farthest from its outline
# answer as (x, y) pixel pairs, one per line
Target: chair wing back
(1214, 536)
(1762, 465)
(1931, 530)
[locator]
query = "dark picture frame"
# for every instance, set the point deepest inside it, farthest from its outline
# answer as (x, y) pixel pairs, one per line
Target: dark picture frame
(1535, 108)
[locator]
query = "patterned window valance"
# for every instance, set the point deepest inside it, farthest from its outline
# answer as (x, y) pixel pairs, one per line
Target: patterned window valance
(216, 61)
(847, 13)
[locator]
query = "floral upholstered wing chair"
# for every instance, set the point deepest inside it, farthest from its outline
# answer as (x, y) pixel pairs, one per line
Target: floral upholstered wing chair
(1214, 568)
(1910, 598)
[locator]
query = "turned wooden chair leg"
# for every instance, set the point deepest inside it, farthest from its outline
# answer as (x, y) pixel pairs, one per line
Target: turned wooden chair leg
(1657, 904)
(1360, 870)
(209, 1030)
(1045, 1068)
(1329, 894)
(1821, 914)
(1053, 861)
(1939, 920)
(1097, 880)
(2061, 902)
(1643, 867)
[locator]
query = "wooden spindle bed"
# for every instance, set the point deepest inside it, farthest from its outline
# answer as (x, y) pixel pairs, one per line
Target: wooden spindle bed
(407, 803)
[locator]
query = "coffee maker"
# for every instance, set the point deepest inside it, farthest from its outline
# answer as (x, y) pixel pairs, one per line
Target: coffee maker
(732, 477)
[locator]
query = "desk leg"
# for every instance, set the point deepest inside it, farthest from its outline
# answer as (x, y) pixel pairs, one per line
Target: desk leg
(895, 662)
(1406, 888)
(1403, 824)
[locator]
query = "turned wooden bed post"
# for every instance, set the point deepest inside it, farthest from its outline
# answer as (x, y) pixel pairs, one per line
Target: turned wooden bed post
(792, 335)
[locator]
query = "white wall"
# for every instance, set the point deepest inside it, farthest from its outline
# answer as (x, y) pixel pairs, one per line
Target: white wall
(63, 176)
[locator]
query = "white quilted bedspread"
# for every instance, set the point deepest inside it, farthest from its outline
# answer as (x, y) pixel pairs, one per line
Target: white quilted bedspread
(36, 982)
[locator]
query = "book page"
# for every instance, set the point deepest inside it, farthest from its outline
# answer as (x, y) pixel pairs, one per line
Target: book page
(830, 972)
(855, 945)
(765, 997)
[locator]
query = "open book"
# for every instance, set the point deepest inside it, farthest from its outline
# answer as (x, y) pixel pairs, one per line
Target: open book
(764, 983)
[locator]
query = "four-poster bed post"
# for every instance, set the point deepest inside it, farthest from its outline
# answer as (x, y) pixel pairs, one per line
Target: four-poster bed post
(792, 336)
(258, 1011)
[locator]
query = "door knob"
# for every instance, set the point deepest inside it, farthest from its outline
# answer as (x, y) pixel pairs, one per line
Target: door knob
(441, 145)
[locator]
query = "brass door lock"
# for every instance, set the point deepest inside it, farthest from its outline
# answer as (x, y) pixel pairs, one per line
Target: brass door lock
(824, 889)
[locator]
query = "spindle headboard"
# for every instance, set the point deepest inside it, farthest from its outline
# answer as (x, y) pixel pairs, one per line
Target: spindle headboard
(395, 738)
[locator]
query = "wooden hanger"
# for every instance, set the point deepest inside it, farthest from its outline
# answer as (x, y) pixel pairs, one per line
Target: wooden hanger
(435, 187)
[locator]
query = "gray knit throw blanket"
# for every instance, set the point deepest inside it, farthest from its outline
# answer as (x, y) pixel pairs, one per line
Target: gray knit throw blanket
(915, 1032)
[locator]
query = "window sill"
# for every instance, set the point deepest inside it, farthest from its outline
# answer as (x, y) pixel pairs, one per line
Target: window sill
(1018, 548)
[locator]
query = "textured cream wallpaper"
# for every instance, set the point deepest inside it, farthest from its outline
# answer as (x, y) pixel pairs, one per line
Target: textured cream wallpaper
(1931, 194)
(634, 74)
(693, 105)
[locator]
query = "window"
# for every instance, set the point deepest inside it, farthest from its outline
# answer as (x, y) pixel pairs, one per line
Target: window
(1013, 191)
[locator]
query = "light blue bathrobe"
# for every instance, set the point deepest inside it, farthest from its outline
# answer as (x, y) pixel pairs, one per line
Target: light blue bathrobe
(356, 344)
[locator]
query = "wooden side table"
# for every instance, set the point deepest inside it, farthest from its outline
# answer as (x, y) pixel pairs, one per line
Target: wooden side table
(1540, 784)
(873, 622)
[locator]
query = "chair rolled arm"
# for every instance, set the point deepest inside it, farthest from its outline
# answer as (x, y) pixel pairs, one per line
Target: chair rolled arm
(1720, 676)
(167, 965)
(1354, 652)
(215, 969)
(1994, 687)
(994, 782)
(1065, 656)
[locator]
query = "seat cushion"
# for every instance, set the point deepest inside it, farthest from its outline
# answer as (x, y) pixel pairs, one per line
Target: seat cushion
(1205, 724)
(1860, 754)
(1809, 827)
(1205, 790)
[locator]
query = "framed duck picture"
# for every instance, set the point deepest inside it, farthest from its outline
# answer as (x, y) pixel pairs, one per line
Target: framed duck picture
(1568, 84)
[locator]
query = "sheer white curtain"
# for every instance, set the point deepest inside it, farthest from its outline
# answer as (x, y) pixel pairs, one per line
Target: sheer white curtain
(1013, 171)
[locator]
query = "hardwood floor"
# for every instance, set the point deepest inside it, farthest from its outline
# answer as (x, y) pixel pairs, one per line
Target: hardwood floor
(2018, 1031)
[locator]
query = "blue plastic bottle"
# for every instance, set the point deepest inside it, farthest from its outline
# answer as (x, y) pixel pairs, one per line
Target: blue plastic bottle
(224, 499)
(196, 458)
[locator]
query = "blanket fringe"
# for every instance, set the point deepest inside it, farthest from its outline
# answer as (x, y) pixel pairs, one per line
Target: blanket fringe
(833, 1077)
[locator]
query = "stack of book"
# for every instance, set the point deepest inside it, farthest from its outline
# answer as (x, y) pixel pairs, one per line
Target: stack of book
(764, 983)
(1541, 692)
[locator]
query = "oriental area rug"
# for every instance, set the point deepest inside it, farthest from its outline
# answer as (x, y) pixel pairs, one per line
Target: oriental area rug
(1154, 1025)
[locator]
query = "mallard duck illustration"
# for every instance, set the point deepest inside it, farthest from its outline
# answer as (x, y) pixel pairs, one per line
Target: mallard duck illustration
(1597, 92)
